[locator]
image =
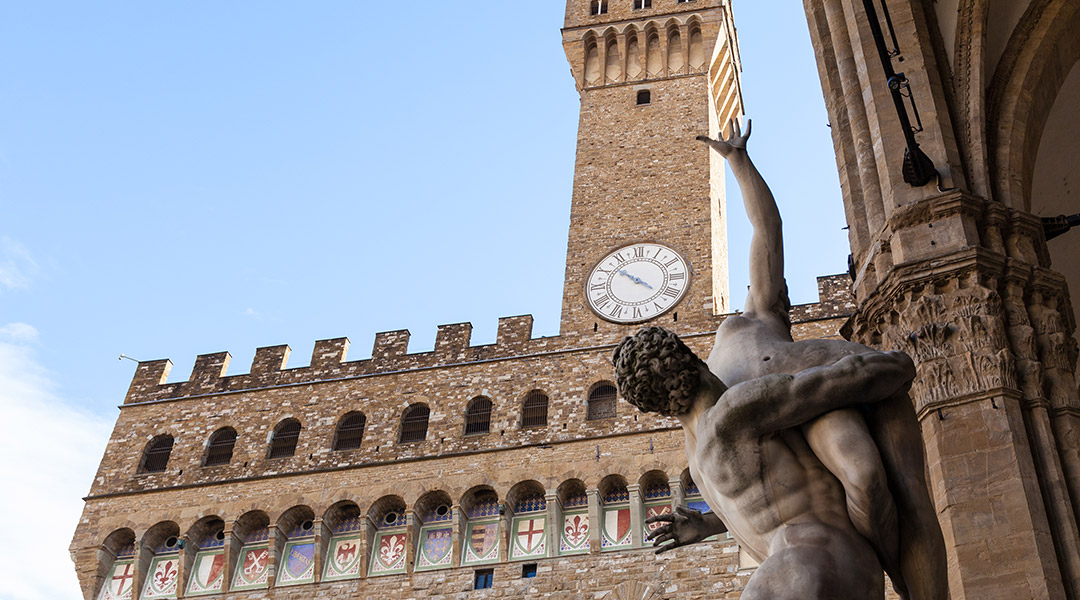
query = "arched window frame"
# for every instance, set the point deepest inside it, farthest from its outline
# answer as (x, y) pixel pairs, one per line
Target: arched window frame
(414, 424)
(478, 416)
(349, 434)
(219, 447)
(284, 439)
(598, 7)
(534, 409)
(156, 454)
(602, 401)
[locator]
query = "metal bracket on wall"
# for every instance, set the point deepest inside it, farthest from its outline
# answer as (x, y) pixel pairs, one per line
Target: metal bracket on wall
(918, 169)
(1055, 226)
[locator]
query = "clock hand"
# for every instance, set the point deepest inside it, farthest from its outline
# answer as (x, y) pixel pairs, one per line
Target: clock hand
(637, 280)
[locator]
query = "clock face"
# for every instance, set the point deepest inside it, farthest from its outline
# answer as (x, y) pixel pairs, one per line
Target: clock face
(637, 282)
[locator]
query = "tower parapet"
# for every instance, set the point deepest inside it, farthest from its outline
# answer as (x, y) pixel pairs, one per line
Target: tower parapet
(390, 353)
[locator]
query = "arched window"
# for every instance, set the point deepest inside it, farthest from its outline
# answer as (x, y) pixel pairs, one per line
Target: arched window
(654, 62)
(644, 97)
(286, 434)
(602, 401)
(219, 450)
(675, 51)
(414, 423)
(478, 416)
(697, 49)
(350, 431)
(592, 61)
(613, 68)
(598, 7)
(534, 410)
(156, 456)
(640, 4)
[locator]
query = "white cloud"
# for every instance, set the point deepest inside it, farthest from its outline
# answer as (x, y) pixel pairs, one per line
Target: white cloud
(18, 333)
(17, 267)
(50, 454)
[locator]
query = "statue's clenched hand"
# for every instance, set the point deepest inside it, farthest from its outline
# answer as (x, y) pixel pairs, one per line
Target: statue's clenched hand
(733, 144)
(682, 527)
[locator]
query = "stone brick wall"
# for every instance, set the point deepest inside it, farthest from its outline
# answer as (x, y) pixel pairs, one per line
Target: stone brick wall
(570, 448)
(639, 173)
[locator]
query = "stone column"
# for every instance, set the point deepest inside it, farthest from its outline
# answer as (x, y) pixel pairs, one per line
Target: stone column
(412, 529)
(231, 552)
(276, 545)
(184, 561)
(960, 282)
(594, 520)
(506, 518)
(457, 531)
(322, 545)
(637, 514)
(553, 531)
(675, 484)
(367, 543)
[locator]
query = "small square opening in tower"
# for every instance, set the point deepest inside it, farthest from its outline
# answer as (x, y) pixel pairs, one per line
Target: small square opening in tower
(528, 570)
(644, 97)
(483, 579)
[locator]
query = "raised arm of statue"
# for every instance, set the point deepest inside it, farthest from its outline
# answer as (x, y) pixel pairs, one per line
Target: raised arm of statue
(776, 402)
(768, 291)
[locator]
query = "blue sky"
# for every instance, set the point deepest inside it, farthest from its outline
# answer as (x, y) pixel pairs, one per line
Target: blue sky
(185, 178)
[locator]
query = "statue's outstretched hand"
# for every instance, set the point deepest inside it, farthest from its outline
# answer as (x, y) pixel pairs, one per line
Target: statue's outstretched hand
(682, 527)
(735, 143)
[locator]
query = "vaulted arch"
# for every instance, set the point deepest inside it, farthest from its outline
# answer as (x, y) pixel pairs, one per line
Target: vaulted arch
(1041, 52)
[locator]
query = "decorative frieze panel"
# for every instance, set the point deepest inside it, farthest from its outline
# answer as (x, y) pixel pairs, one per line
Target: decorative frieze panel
(388, 555)
(253, 568)
(161, 578)
(120, 582)
(958, 342)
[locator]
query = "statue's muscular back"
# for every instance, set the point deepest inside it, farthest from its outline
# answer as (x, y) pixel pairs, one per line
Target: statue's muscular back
(778, 499)
(748, 346)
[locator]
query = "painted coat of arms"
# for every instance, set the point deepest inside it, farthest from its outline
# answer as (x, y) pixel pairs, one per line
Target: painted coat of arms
(616, 527)
(652, 511)
(343, 559)
(575, 533)
(207, 574)
(118, 586)
(483, 543)
(436, 548)
(252, 571)
(529, 536)
(389, 556)
(299, 564)
(162, 577)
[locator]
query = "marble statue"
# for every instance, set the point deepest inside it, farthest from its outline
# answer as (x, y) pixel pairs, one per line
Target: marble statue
(808, 452)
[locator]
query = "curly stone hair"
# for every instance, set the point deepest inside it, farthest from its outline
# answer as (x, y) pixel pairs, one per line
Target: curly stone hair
(656, 372)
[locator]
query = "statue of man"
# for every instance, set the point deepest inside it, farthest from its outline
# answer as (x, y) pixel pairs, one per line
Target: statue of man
(753, 466)
(875, 451)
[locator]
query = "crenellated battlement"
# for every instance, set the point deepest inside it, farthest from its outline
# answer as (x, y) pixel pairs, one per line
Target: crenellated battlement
(390, 352)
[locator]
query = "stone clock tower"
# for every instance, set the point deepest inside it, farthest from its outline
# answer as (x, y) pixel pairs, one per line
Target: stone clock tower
(647, 224)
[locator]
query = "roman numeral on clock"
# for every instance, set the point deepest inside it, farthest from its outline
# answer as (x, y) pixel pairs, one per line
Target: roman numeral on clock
(616, 312)
(671, 292)
(677, 276)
